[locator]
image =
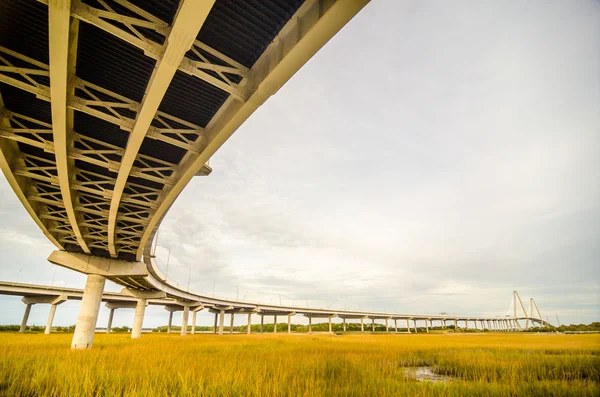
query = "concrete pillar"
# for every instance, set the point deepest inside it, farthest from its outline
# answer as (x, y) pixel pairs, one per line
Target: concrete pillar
(330, 325)
(184, 320)
(455, 324)
(138, 318)
(170, 322)
(396, 325)
(408, 326)
(430, 323)
(110, 320)
(262, 323)
(25, 317)
(274, 324)
(475, 322)
(221, 321)
(50, 319)
(373, 324)
(289, 323)
(387, 328)
(194, 313)
(88, 312)
(231, 323)
(426, 327)
(362, 325)
(249, 330)
(415, 324)
(310, 325)
(344, 320)
(215, 327)
(466, 324)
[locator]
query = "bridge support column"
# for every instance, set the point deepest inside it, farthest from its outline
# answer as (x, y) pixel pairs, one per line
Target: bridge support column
(475, 323)
(466, 324)
(362, 325)
(426, 327)
(387, 327)
(215, 327)
(249, 330)
(25, 317)
(310, 325)
(185, 316)
(415, 324)
(50, 319)
(231, 322)
(396, 325)
(262, 323)
(170, 322)
(373, 324)
(138, 318)
(408, 325)
(194, 313)
(88, 312)
(221, 321)
(110, 320)
(330, 331)
(344, 321)
(289, 323)
(275, 324)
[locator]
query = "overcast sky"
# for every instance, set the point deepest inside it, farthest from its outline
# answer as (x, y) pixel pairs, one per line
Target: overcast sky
(434, 156)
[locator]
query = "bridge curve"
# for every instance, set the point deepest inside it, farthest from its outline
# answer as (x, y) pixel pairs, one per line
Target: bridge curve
(109, 108)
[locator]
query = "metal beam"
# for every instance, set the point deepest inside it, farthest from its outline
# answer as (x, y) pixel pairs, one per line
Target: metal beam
(10, 156)
(313, 25)
(188, 21)
(62, 39)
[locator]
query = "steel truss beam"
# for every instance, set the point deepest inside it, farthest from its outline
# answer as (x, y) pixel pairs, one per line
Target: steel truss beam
(200, 66)
(89, 150)
(62, 38)
(188, 21)
(315, 22)
(86, 99)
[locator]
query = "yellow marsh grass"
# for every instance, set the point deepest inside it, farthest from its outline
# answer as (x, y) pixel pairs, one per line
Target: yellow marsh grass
(300, 365)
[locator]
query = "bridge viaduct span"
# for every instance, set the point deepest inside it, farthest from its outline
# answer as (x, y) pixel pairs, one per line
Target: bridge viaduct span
(41, 294)
(109, 108)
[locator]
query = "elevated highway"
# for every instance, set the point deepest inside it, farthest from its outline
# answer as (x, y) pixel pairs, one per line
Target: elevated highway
(109, 108)
(33, 294)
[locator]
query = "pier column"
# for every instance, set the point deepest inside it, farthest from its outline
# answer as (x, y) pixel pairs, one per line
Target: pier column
(216, 322)
(88, 312)
(25, 317)
(455, 324)
(262, 323)
(110, 320)
(184, 320)
(289, 323)
(275, 324)
(426, 326)
(362, 325)
(310, 325)
(415, 324)
(396, 325)
(466, 324)
(221, 321)
(170, 322)
(387, 327)
(475, 322)
(408, 325)
(249, 330)
(344, 321)
(373, 324)
(50, 319)
(194, 313)
(231, 323)
(138, 318)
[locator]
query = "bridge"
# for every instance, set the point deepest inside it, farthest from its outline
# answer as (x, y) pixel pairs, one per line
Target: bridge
(127, 299)
(109, 108)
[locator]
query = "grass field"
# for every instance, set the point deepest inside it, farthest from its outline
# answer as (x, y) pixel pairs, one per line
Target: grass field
(300, 365)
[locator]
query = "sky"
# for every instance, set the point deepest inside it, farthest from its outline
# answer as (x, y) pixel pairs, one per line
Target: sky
(433, 157)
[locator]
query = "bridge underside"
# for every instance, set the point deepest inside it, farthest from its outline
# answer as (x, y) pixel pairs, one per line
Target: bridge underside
(108, 108)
